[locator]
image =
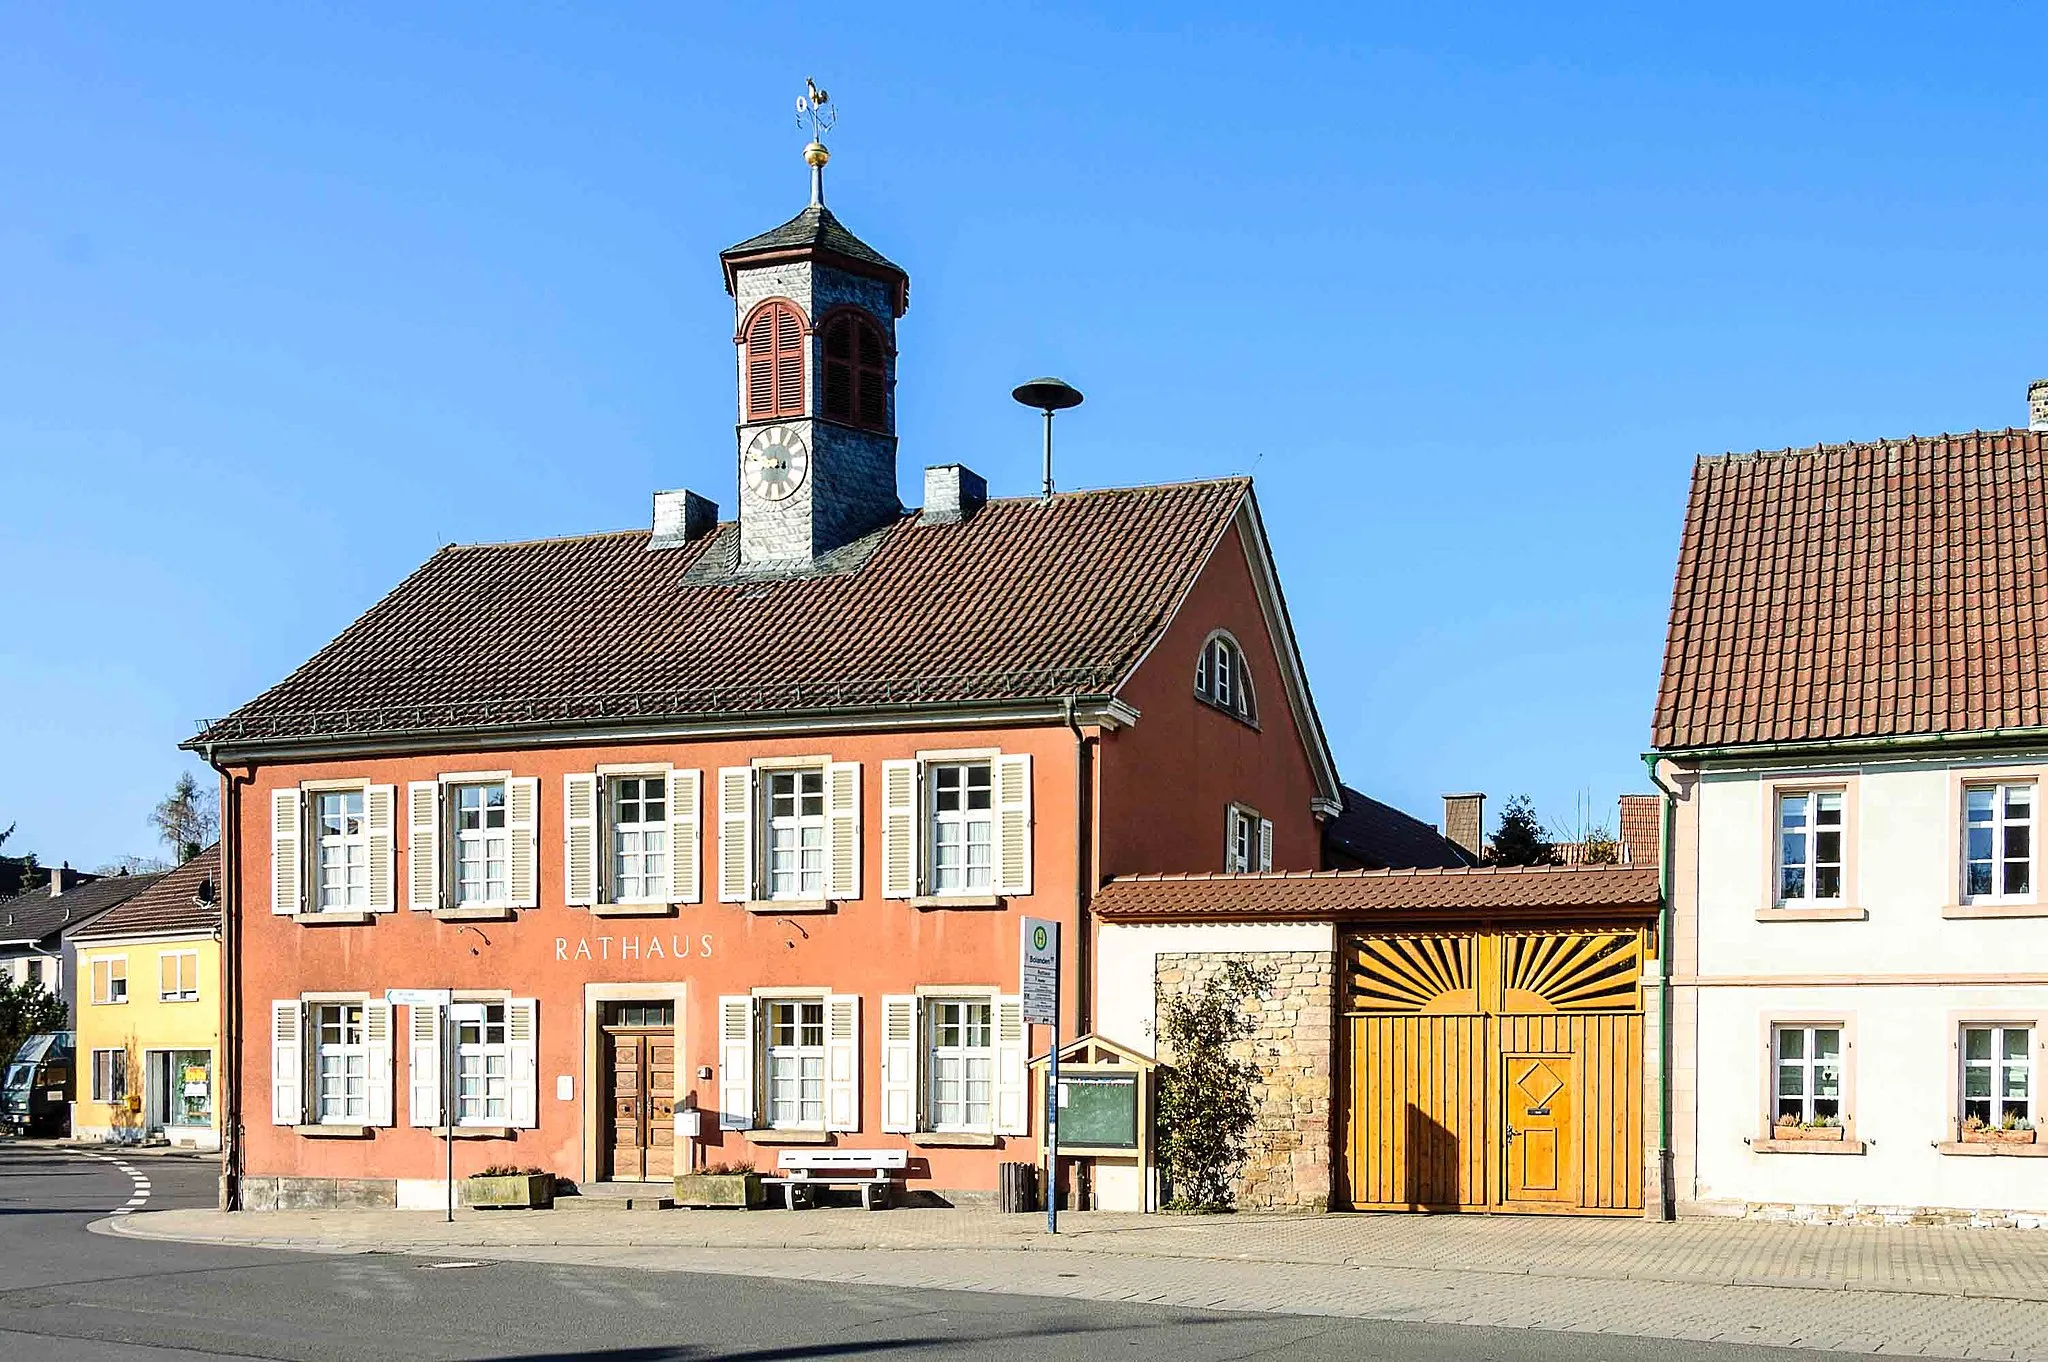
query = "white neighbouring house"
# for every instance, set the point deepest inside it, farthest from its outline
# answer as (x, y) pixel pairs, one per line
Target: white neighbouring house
(1853, 719)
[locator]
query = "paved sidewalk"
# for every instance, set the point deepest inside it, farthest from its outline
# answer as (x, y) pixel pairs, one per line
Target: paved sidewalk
(1934, 1292)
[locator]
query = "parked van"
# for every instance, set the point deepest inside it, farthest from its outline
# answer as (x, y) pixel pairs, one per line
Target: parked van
(36, 1093)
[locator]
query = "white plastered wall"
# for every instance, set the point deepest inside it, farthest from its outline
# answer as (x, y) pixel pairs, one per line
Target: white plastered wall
(1900, 977)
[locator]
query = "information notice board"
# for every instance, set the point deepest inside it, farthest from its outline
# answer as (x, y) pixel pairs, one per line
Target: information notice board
(1098, 1110)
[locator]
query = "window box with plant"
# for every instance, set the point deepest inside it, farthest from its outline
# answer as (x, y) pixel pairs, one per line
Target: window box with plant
(2012, 1130)
(503, 1187)
(721, 1185)
(1820, 1128)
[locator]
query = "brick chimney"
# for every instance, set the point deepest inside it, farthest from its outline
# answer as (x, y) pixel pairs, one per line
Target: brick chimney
(2037, 404)
(1465, 822)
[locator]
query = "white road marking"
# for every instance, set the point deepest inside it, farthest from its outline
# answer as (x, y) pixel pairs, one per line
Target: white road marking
(139, 1186)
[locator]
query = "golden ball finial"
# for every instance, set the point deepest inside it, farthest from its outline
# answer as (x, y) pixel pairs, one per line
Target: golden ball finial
(815, 155)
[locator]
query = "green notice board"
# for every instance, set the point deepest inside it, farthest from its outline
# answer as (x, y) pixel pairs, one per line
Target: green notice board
(1098, 1110)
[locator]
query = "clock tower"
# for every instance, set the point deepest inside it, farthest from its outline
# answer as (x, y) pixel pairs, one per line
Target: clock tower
(816, 308)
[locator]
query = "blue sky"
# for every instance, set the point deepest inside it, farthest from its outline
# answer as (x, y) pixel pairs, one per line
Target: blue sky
(290, 296)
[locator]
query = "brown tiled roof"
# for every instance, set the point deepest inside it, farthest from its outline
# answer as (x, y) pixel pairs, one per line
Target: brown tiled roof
(172, 904)
(1301, 895)
(1861, 591)
(33, 915)
(1375, 836)
(1030, 599)
(1642, 828)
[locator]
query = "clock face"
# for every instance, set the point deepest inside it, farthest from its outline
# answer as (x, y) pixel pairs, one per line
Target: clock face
(776, 463)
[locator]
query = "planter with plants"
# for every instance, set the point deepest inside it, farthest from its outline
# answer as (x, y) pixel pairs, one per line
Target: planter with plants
(2012, 1130)
(503, 1187)
(1819, 1128)
(721, 1184)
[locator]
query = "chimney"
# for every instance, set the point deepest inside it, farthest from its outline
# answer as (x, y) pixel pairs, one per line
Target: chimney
(1465, 822)
(952, 493)
(2037, 404)
(64, 877)
(680, 518)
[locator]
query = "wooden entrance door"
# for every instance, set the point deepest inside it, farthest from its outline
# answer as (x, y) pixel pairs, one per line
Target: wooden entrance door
(1493, 1069)
(1542, 1155)
(642, 1093)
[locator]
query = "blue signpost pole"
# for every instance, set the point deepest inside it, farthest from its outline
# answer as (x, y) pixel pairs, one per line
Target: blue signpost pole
(1052, 1114)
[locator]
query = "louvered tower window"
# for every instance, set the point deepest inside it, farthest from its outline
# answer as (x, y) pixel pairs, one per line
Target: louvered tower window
(856, 372)
(775, 362)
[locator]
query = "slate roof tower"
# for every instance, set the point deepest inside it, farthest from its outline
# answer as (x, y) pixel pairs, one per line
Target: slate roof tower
(816, 311)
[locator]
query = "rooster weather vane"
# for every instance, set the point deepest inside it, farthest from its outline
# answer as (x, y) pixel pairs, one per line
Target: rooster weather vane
(816, 113)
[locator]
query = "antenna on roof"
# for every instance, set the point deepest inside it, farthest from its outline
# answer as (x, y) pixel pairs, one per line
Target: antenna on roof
(1048, 395)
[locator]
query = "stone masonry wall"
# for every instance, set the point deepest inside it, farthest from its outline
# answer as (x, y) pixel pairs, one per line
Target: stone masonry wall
(1295, 1050)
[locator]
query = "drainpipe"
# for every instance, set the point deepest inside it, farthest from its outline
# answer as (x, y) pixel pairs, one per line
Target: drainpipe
(1661, 1208)
(229, 1079)
(1083, 864)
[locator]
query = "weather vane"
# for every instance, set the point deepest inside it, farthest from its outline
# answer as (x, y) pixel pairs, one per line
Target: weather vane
(816, 113)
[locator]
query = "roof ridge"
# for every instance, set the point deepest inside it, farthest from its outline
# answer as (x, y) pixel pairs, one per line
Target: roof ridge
(1384, 873)
(1883, 442)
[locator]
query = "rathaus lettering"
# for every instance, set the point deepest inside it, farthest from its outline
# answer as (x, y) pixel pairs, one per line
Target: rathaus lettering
(634, 948)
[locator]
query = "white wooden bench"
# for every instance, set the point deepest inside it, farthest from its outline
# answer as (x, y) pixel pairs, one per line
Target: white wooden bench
(802, 1172)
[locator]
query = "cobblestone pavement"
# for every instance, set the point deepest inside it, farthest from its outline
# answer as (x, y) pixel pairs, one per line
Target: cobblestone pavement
(1921, 1291)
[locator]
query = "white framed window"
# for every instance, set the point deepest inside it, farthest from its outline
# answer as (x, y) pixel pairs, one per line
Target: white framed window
(639, 838)
(961, 820)
(178, 976)
(1247, 841)
(796, 1063)
(341, 857)
(341, 1064)
(110, 979)
(483, 844)
(1222, 679)
(795, 817)
(483, 1069)
(961, 1060)
(110, 1076)
(1807, 1084)
(1998, 843)
(1809, 846)
(1998, 1074)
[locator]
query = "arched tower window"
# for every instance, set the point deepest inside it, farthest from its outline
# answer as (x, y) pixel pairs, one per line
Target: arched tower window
(856, 372)
(1222, 679)
(775, 361)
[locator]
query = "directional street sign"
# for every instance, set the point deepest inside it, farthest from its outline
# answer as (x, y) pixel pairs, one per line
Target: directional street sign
(418, 997)
(1039, 972)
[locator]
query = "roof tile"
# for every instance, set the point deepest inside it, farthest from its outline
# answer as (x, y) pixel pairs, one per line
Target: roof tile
(1302, 895)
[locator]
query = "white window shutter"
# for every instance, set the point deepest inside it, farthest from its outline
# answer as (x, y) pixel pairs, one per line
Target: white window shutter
(287, 1061)
(579, 839)
(842, 829)
(1013, 1088)
(522, 1047)
(1231, 864)
(899, 830)
(842, 1061)
(287, 852)
(377, 1061)
(380, 813)
(899, 1063)
(735, 834)
(1265, 844)
(423, 844)
(736, 1031)
(522, 834)
(685, 836)
(423, 1066)
(1013, 824)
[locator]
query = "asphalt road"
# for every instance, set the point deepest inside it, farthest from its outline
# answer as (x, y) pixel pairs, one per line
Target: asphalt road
(68, 1295)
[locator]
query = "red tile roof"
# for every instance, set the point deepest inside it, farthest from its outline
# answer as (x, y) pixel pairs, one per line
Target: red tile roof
(170, 905)
(1642, 828)
(1303, 895)
(1861, 591)
(1029, 599)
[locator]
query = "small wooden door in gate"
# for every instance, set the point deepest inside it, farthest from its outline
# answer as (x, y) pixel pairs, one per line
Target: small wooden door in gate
(1542, 1168)
(643, 1100)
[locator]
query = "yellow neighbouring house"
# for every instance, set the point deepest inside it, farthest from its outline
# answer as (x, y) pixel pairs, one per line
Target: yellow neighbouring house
(149, 1012)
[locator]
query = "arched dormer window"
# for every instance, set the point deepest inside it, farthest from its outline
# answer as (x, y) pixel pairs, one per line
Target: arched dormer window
(775, 361)
(856, 372)
(1222, 679)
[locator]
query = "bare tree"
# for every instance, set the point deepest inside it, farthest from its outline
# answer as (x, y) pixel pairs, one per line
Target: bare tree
(186, 820)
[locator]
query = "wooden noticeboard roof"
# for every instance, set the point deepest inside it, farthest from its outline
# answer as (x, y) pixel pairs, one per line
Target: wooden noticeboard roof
(1092, 1049)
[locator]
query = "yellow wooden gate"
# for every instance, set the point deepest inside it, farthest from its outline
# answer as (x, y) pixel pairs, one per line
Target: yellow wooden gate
(1495, 1069)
